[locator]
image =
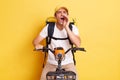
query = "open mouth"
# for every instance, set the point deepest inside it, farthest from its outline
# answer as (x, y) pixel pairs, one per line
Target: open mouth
(62, 18)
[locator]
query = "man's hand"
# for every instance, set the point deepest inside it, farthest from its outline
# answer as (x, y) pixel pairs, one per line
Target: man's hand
(65, 21)
(38, 46)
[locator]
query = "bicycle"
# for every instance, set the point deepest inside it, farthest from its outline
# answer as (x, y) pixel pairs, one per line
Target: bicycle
(60, 73)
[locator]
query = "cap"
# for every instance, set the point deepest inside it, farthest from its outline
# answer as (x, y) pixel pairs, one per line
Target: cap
(60, 7)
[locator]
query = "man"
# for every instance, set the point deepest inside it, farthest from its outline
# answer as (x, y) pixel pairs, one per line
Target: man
(61, 30)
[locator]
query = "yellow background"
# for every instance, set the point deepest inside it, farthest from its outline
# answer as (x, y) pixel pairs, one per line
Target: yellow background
(99, 25)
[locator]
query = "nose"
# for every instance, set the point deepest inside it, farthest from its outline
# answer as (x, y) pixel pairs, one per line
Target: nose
(62, 13)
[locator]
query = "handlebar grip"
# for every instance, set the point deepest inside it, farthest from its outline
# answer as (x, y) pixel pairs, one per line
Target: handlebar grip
(81, 49)
(37, 49)
(44, 49)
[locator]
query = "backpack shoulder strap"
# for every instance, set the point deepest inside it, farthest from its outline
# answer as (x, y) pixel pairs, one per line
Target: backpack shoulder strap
(48, 39)
(70, 26)
(51, 26)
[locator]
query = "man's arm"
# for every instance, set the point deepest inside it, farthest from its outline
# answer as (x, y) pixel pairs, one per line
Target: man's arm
(75, 39)
(36, 42)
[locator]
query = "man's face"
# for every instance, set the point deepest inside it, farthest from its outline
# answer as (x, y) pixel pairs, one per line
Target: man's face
(60, 15)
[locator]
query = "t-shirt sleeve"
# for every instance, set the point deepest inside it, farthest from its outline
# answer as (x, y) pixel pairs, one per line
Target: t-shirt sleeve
(43, 33)
(75, 30)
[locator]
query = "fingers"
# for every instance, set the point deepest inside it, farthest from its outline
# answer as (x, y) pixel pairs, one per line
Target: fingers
(38, 46)
(66, 21)
(65, 17)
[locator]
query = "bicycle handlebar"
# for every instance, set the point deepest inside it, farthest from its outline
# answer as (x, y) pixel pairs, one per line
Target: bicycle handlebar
(74, 49)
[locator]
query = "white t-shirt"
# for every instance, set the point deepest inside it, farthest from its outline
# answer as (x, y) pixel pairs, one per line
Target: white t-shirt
(59, 43)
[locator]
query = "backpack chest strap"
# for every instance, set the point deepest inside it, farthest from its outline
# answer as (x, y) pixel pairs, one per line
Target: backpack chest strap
(49, 39)
(59, 38)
